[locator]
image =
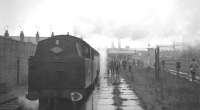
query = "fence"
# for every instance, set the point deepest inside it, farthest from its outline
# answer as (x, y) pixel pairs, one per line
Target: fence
(184, 56)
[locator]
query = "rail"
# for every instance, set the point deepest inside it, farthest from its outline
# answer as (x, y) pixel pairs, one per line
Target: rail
(10, 104)
(185, 75)
(184, 72)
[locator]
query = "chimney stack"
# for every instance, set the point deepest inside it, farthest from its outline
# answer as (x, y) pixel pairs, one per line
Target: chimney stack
(6, 34)
(21, 36)
(52, 34)
(37, 37)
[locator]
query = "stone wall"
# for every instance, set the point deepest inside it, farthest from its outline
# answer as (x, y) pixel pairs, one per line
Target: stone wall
(14, 60)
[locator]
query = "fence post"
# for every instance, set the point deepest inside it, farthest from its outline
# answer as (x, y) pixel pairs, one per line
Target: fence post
(18, 67)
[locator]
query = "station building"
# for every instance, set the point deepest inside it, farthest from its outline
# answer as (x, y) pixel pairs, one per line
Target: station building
(14, 54)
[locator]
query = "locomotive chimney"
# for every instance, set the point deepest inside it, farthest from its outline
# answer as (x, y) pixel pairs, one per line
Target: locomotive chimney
(21, 36)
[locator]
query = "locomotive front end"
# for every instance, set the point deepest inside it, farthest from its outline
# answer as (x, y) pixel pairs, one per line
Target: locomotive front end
(56, 70)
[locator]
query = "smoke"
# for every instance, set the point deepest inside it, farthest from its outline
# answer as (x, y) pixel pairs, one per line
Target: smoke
(103, 61)
(190, 16)
(110, 29)
(182, 22)
(136, 21)
(128, 31)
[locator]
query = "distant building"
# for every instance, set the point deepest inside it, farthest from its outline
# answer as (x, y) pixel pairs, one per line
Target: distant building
(145, 55)
(14, 60)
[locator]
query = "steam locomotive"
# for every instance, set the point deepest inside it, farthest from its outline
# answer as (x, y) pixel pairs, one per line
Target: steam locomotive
(63, 67)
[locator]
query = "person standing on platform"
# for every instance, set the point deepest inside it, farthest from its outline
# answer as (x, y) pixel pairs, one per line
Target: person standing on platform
(124, 64)
(193, 69)
(129, 66)
(163, 65)
(112, 66)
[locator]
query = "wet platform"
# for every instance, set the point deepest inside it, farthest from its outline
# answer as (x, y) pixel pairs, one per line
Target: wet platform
(114, 96)
(107, 96)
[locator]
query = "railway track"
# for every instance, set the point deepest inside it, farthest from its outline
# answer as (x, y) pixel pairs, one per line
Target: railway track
(10, 104)
(184, 75)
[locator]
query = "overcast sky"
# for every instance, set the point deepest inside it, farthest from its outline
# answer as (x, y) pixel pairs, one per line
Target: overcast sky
(137, 22)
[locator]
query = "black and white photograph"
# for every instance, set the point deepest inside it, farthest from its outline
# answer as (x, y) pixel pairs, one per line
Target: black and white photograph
(99, 54)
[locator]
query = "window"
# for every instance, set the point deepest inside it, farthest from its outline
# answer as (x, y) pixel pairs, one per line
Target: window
(78, 48)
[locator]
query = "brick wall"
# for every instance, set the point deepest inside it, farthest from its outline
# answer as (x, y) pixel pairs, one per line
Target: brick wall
(14, 60)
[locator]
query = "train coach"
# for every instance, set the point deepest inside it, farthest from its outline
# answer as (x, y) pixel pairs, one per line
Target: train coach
(63, 67)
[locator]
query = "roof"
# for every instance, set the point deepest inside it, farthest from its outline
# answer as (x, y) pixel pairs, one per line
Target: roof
(28, 39)
(74, 38)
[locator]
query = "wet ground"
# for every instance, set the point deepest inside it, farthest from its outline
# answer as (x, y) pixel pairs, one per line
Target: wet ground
(115, 95)
(109, 95)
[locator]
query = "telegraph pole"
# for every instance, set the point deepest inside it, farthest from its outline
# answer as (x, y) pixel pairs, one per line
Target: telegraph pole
(157, 63)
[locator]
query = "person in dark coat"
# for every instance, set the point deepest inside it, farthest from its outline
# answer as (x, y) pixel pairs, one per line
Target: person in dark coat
(193, 69)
